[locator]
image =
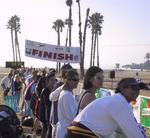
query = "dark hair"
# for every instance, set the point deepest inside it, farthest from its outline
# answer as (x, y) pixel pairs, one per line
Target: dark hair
(70, 74)
(40, 85)
(65, 69)
(91, 72)
(50, 76)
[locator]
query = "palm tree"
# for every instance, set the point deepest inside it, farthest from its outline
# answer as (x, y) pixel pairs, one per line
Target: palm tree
(80, 42)
(117, 66)
(95, 21)
(69, 4)
(147, 56)
(58, 27)
(14, 26)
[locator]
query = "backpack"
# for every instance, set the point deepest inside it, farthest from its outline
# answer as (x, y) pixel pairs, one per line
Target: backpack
(10, 117)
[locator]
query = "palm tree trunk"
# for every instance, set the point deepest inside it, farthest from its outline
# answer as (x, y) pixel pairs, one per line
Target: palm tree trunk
(81, 47)
(91, 59)
(80, 32)
(16, 47)
(67, 36)
(97, 50)
(70, 20)
(12, 41)
(94, 49)
(17, 43)
(58, 45)
(84, 38)
(85, 27)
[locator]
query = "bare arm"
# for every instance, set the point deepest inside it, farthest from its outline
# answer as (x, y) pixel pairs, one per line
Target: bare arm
(88, 98)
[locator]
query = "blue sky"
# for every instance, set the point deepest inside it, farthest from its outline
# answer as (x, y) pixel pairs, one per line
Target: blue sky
(125, 34)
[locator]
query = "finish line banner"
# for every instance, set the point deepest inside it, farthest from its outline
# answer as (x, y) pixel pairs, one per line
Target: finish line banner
(52, 52)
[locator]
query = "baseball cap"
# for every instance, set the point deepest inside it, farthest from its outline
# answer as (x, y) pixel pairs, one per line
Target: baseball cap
(133, 82)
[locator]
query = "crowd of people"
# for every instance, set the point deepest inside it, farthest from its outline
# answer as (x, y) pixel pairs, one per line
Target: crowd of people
(51, 101)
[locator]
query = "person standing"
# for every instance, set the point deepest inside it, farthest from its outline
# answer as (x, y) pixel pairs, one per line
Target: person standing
(67, 105)
(45, 106)
(93, 80)
(17, 87)
(6, 83)
(53, 97)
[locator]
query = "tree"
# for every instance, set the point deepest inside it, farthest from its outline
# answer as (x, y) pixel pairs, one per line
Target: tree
(80, 42)
(117, 66)
(58, 27)
(147, 56)
(95, 22)
(14, 26)
(69, 4)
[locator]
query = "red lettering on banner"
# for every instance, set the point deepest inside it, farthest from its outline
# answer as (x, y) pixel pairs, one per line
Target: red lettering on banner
(46, 54)
(55, 56)
(34, 51)
(40, 53)
(51, 55)
(67, 56)
(60, 56)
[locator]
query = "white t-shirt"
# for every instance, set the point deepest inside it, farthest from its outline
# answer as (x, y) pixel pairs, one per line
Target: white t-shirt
(104, 116)
(67, 108)
(55, 94)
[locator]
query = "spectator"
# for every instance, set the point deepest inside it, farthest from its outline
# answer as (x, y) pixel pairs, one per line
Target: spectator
(41, 84)
(106, 116)
(67, 105)
(6, 83)
(55, 95)
(28, 93)
(93, 80)
(17, 87)
(45, 105)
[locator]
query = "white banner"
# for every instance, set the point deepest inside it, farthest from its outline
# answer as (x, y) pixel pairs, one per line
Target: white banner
(52, 52)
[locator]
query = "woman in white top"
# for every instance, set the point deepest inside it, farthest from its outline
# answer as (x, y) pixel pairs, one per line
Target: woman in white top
(67, 105)
(103, 117)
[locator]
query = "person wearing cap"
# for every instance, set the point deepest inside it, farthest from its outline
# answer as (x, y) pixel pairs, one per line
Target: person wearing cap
(110, 116)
